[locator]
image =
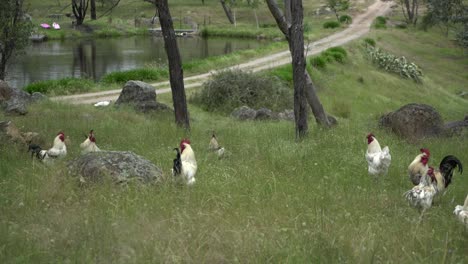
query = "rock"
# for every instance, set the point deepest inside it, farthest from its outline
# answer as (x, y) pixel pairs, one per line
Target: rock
(116, 166)
(414, 121)
(142, 96)
(287, 114)
(244, 113)
(136, 92)
(456, 127)
(37, 97)
(13, 100)
(9, 131)
(265, 114)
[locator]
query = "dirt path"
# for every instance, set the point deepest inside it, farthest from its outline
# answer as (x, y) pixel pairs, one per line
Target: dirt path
(360, 26)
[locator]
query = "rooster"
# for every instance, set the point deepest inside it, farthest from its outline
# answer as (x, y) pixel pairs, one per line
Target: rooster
(59, 149)
(377, 158)
(461, 211)
(185, 163)
(89, 145)
(418, 167)
(444, 174)
(421, 195)
(215, 147)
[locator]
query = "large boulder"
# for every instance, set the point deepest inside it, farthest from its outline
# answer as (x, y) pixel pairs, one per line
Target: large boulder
(142, 96)
(10, 132)
(414, 121)
(265, 114)
(16, 101)
(116, 166)
(244, 113)
(457, 127)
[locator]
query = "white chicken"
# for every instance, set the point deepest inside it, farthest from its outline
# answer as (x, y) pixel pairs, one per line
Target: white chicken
(103, 103)
(59, 149)
(377, 158)
(185, 163)
(421, 195)
(418, 167)
(215, 147)
(461, 211)
(89, 145)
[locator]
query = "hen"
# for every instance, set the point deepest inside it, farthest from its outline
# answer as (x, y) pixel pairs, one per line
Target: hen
(421, 195)
(418, 167)
(377, 158)
(89, 145)
(215, 147)
(461, 211)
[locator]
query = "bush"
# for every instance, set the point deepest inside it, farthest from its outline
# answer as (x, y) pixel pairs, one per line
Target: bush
(346, 19)
(369, 41)
(319, 62)
(61, 87)
(338, 54)
(138, 74)
(380, 22)
(331, 24)
(338, 49)
(394, 64)
(230, 89)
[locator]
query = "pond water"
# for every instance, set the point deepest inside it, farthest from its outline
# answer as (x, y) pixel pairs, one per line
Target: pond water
(92, 58)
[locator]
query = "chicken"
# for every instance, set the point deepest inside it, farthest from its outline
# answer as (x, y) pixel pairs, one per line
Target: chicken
(421, 195)
(215, 147)
(103, 103)
(444, 174)
(377, 158)
(188, 164)
(461, 211)
(418, 167)
(59, 149)
(89, 145)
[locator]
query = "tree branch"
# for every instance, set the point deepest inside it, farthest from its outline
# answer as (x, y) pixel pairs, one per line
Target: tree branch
(279, 17)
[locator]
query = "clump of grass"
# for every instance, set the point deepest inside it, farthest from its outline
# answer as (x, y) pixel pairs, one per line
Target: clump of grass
(347, 19)
(60, 87)
(341, 108)
(144, 74)
(369, 41)
(230, 89)
(319, 62)
(380, 22)
(331, 24)
(337, 54)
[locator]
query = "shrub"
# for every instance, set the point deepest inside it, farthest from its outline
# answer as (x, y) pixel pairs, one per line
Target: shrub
(318, 62)
(60, 87)
(338, 49)
(230, 89)
(138, 74)
(346, 19)
(331, 24)
(380, 22)
(394, 64)
(369, 41)
(338, 54)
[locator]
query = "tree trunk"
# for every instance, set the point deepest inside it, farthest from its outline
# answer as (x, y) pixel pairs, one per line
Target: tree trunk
(176, 75)
(93, 9)
(2, 68)
(227, 11)
(256, 18)
(296, 46)
(287, 11)
(317, 109)
(79, 8)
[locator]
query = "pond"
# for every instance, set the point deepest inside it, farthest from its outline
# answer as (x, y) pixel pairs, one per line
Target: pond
(93, 58)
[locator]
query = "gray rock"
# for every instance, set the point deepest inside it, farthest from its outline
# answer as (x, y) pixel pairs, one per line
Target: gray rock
(116, 166)
(37, 97)
(136, 92)
(265, 114)
(147, 107)
(244, 113)
(286, 115)
(13, 100)
(9, 132)
(456, 127)
(414, 121)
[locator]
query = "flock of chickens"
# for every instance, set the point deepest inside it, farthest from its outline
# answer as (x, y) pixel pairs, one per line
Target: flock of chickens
(428, 181)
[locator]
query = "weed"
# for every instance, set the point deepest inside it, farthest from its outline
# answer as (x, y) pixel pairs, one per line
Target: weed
(331, 24)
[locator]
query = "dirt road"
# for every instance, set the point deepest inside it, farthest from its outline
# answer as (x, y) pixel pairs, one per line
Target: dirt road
(360, 26)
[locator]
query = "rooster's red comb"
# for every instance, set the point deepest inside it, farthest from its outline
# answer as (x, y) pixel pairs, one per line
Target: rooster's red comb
(370, 135)
(425, 151)
(186, 141)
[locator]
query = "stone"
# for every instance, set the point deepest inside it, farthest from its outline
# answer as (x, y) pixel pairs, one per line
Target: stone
(147, 107)
(456, 127)
(265, 114)
(37, 97)
(244, 113)
(13, 100)
(414, 121)
(136, 92)
(9, 131)
(287, 115)
(115, 166)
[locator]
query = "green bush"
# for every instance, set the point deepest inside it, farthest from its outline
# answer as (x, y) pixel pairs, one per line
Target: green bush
(338, 49)
(338, 54)
(138, 74)
(394, 64)
(319, 62)
(346, 19)
(369, 41)
(331, 24)
(380, 22)
(60, 87)
(230, 89)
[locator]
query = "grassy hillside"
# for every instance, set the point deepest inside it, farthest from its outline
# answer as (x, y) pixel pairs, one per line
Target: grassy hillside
(272, 200)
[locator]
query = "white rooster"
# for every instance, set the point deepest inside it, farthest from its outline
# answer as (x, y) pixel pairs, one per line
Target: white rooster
(421, 195)
(89, 145)
(377, 158)
(185, 163)
(59, 149)
(215, 147)
(461, 211)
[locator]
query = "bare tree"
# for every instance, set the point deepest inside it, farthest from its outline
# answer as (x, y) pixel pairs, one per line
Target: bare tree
(228, 11)
(291, 30)
(93, 9)
(410, 10)
(176, 75)
(14, 31)
(79, 8)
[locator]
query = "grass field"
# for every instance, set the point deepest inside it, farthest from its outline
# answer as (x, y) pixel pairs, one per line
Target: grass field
(272, 200)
